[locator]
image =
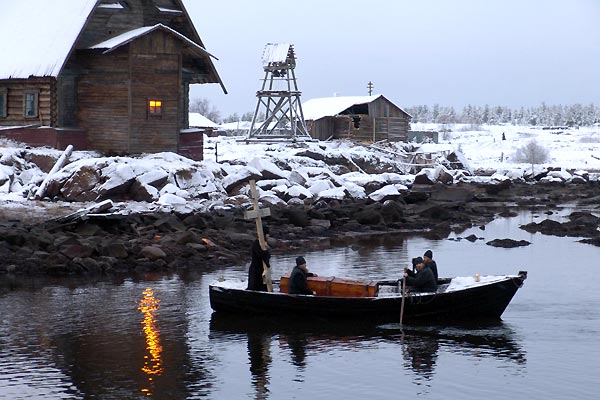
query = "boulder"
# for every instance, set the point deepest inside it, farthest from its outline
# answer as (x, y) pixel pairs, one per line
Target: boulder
(152, 253)
(452, 194)
(508, 243)
(388, 192)
(120, 178)
(235, 180)
(156, 177)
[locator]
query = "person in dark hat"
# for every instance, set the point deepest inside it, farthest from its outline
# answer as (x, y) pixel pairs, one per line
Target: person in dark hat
(255, 280)
(429, 263)
(421, 281)
(298, 278)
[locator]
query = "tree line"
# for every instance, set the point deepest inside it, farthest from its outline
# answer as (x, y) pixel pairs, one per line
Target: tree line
(543, 115)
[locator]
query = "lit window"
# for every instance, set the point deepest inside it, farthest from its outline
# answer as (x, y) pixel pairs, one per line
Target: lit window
(155, 108)
(3, 101)
(30, 106)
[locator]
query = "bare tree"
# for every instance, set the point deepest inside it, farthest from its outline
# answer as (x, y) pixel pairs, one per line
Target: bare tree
(532, 153)
(203, 106)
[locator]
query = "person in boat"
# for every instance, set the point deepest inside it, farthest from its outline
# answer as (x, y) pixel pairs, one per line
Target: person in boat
(423, 280)
(255, 281)
(298, 278)
(428, 258)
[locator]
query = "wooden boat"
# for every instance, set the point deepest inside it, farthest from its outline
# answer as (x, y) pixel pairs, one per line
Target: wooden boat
(460, 298)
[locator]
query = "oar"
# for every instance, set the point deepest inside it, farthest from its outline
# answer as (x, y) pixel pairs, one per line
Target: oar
(403, 297)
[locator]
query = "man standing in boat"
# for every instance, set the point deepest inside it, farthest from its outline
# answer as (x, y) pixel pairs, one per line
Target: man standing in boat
(423, 280)
(429, 263)
(255, 272)
(298, 277)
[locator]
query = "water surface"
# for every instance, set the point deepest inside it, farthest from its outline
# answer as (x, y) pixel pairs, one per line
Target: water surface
(155, 337)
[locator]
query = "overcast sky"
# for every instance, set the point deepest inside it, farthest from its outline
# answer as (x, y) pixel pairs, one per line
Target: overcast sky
(509, 52)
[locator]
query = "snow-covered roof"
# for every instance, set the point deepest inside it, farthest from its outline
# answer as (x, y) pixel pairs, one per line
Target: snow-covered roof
(37, 37)
(275, 53)
(315, 109)
(129, 36)
(199, 120)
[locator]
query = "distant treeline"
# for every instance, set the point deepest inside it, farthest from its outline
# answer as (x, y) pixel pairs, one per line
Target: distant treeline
(545, 115)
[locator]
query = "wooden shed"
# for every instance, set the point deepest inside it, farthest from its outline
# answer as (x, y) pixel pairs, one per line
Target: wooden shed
(105, 75)
(361, 118)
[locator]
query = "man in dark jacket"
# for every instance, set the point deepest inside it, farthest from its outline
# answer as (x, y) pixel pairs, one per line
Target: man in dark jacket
(423, 280)
(255, 281)
(298, 278)
(428, 259)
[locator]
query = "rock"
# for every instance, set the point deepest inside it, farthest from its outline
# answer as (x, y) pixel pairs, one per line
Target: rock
(169, 223)
(508, 243)
(369, 216)
(156, 178)
(143, 192)
(452, 194)
(425, 177)
(495, 187)
(240, 178)
(392, 211)
(297, 178)
(388, 192)
(268, 169)
(594, 241)
(471, 238)
(81, 185)
(120, 178)
(153, 253)
(77, 251)
(297, 217)
(114, 250)
(416, 196)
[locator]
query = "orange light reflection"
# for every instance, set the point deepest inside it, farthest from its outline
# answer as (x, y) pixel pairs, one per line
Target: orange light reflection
(152, 361)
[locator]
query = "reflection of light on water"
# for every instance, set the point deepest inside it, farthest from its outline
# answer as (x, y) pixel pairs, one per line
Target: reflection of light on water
(152, 361)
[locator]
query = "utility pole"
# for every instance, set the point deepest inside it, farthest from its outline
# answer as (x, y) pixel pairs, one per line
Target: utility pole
(370, 87)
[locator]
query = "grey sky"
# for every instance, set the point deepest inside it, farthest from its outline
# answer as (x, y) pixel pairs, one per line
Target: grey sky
(510, 52)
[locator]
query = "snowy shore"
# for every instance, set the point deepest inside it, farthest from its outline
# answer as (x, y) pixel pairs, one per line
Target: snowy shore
(296, 173)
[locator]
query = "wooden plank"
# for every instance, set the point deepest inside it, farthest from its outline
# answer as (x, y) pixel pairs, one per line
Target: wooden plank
(337, 287)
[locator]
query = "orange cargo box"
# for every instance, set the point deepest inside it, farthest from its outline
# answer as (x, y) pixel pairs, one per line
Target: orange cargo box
(332, 286)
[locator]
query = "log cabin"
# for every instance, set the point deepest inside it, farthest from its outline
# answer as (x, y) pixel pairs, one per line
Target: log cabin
(105, 75)
(358, 118)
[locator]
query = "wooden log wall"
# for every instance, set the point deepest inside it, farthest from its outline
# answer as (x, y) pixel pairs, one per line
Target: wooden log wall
(155, 73)
(47, 103)
(103, 100)
(371, 129)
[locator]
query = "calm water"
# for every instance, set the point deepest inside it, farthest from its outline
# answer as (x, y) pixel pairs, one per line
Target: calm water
(155, 337)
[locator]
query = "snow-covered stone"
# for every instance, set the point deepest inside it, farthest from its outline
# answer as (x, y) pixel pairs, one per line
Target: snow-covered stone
(320, 185)
(156, 177)
(387, 192)
(239, 178)
(338, 193)
(299, 192)
(562, 175)
(168, 199)
(268, 169)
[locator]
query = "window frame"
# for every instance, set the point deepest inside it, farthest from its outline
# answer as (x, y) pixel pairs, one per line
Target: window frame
(3, 102)
(36, 100)
(154, 111)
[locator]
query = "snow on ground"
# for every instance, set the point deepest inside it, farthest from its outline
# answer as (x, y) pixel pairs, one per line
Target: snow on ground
(289, 176)
(484, 148)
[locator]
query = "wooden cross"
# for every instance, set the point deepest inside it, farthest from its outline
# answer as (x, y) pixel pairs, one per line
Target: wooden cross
(256, 214)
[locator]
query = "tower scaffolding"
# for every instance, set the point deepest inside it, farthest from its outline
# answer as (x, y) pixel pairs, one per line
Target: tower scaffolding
(279, 97)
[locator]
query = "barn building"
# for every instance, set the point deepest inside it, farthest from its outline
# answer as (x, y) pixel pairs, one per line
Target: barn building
(105, 75)
(360, 118)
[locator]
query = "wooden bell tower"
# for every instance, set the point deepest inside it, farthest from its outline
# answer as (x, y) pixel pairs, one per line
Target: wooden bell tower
(279, 98)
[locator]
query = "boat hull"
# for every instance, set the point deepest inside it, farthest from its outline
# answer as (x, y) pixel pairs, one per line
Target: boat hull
(486, 301)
